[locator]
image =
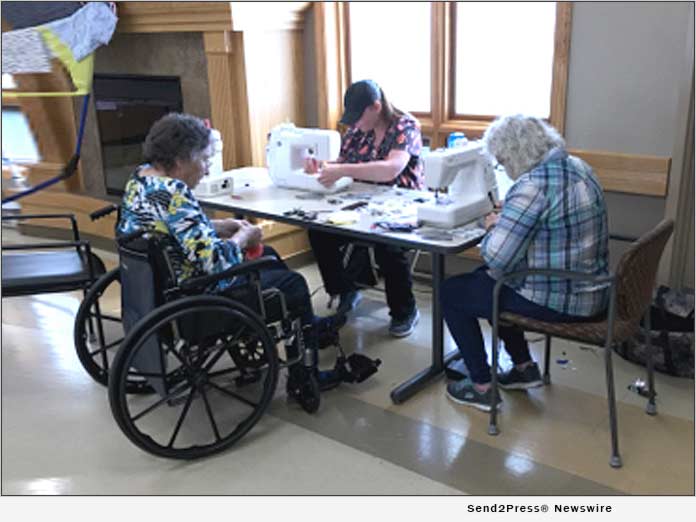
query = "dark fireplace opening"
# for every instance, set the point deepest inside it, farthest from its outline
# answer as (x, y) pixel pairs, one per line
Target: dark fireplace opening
(127, 105)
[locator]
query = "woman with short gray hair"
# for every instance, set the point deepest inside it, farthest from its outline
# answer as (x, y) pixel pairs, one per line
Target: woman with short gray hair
(553, 217)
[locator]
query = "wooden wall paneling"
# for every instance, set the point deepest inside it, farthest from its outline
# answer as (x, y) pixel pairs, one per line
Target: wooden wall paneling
(331, 66)
(559, 83)
(629, 173)
(274, 73)
(228, 95)
(45, 202)
(167, 17)
(439, 63)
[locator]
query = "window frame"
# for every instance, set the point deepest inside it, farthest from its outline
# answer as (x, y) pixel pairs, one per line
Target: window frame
(442, 119)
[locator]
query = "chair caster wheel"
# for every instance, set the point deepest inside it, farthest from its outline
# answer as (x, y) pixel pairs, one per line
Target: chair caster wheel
(651, 409)
(615, 462)
(493, 430)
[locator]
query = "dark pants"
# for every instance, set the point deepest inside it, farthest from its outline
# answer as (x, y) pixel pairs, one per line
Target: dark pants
(468, 297)
(292, 284)
(392, 263)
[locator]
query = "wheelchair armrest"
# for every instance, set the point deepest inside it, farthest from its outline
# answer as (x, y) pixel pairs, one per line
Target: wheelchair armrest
(253, 266)
(71, 217)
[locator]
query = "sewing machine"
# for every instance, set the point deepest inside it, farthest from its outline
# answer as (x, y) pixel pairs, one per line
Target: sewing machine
(289, 146)
(469, 177)
(214, 184)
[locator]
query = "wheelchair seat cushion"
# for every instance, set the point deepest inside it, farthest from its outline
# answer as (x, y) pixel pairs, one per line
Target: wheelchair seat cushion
(42, 272)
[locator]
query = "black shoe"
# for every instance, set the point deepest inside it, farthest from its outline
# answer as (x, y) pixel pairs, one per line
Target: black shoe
(348, 302)
(324, 330)
(463, 392)
(405, 326)
(515, 379)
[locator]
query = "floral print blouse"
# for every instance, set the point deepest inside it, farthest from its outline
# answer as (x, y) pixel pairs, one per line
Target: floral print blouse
(167, 205)
(403, 134)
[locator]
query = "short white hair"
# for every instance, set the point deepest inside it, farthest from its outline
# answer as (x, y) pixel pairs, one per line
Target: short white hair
(519, 142)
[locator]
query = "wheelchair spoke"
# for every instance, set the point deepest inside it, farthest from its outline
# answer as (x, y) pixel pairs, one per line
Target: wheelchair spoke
(221, 351)
(164, 399)
(224, 372)
(144, 375)
(105, 348)
(106, 317)
(210, 414)
(234, 395)
(189, 400)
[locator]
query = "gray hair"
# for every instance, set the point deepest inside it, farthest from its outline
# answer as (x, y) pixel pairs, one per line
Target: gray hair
(519, 143)
(175, 137)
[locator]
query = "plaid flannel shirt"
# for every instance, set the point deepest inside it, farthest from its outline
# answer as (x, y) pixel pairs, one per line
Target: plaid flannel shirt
(554, 217)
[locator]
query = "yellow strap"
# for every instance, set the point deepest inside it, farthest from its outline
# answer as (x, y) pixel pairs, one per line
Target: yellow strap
(80, 72)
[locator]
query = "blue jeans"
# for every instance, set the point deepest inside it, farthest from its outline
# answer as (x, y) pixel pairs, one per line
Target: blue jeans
(468, 297)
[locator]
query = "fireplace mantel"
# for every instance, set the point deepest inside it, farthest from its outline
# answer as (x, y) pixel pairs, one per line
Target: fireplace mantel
(158, 17)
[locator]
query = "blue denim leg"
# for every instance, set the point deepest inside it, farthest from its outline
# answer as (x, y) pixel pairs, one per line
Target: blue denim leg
(468, 297)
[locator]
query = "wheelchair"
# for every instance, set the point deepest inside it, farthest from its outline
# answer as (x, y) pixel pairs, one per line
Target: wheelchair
(196, 371)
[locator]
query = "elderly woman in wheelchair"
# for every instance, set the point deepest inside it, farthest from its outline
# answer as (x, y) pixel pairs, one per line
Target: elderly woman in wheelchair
(202, 323)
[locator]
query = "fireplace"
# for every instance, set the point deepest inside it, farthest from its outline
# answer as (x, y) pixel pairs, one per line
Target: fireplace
(126, 107)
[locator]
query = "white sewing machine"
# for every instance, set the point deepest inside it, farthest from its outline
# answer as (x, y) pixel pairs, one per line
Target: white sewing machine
(215, 185)
(289, 146)
(471, 181)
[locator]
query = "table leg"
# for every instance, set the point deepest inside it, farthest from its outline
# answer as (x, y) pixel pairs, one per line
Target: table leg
(439, 361)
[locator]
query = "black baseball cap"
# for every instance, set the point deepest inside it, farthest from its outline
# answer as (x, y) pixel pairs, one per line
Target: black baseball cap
(358, 97)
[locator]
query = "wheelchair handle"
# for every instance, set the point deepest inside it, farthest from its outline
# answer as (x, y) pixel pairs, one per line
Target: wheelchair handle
(98, 214)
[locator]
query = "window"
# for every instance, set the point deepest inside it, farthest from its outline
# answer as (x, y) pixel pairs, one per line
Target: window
(458, 65)
(8, 82)
(503, 58)
(390, 44)
(18, 144)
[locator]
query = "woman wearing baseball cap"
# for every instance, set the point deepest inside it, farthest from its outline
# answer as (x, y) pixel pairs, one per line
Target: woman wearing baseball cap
(383, 146)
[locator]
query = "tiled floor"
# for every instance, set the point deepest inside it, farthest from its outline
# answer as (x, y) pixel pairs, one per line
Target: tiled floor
(58, 435)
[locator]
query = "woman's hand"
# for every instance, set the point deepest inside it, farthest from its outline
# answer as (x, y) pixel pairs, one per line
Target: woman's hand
(226, 228)
(312, 165)
(248, 235)
(490, 220)
(329, 174)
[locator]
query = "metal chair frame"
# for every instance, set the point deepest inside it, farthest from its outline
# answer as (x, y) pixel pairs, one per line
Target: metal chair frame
(609, 340)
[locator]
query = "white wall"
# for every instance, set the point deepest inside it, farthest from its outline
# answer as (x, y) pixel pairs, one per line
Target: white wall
(626, 74)
(626, 60)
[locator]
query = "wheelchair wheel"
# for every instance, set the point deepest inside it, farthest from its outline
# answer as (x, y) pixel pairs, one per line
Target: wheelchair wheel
(98, 331)
(214, 367)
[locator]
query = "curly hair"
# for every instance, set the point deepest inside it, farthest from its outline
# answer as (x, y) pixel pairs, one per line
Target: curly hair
(175, 137)
(519, 142)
